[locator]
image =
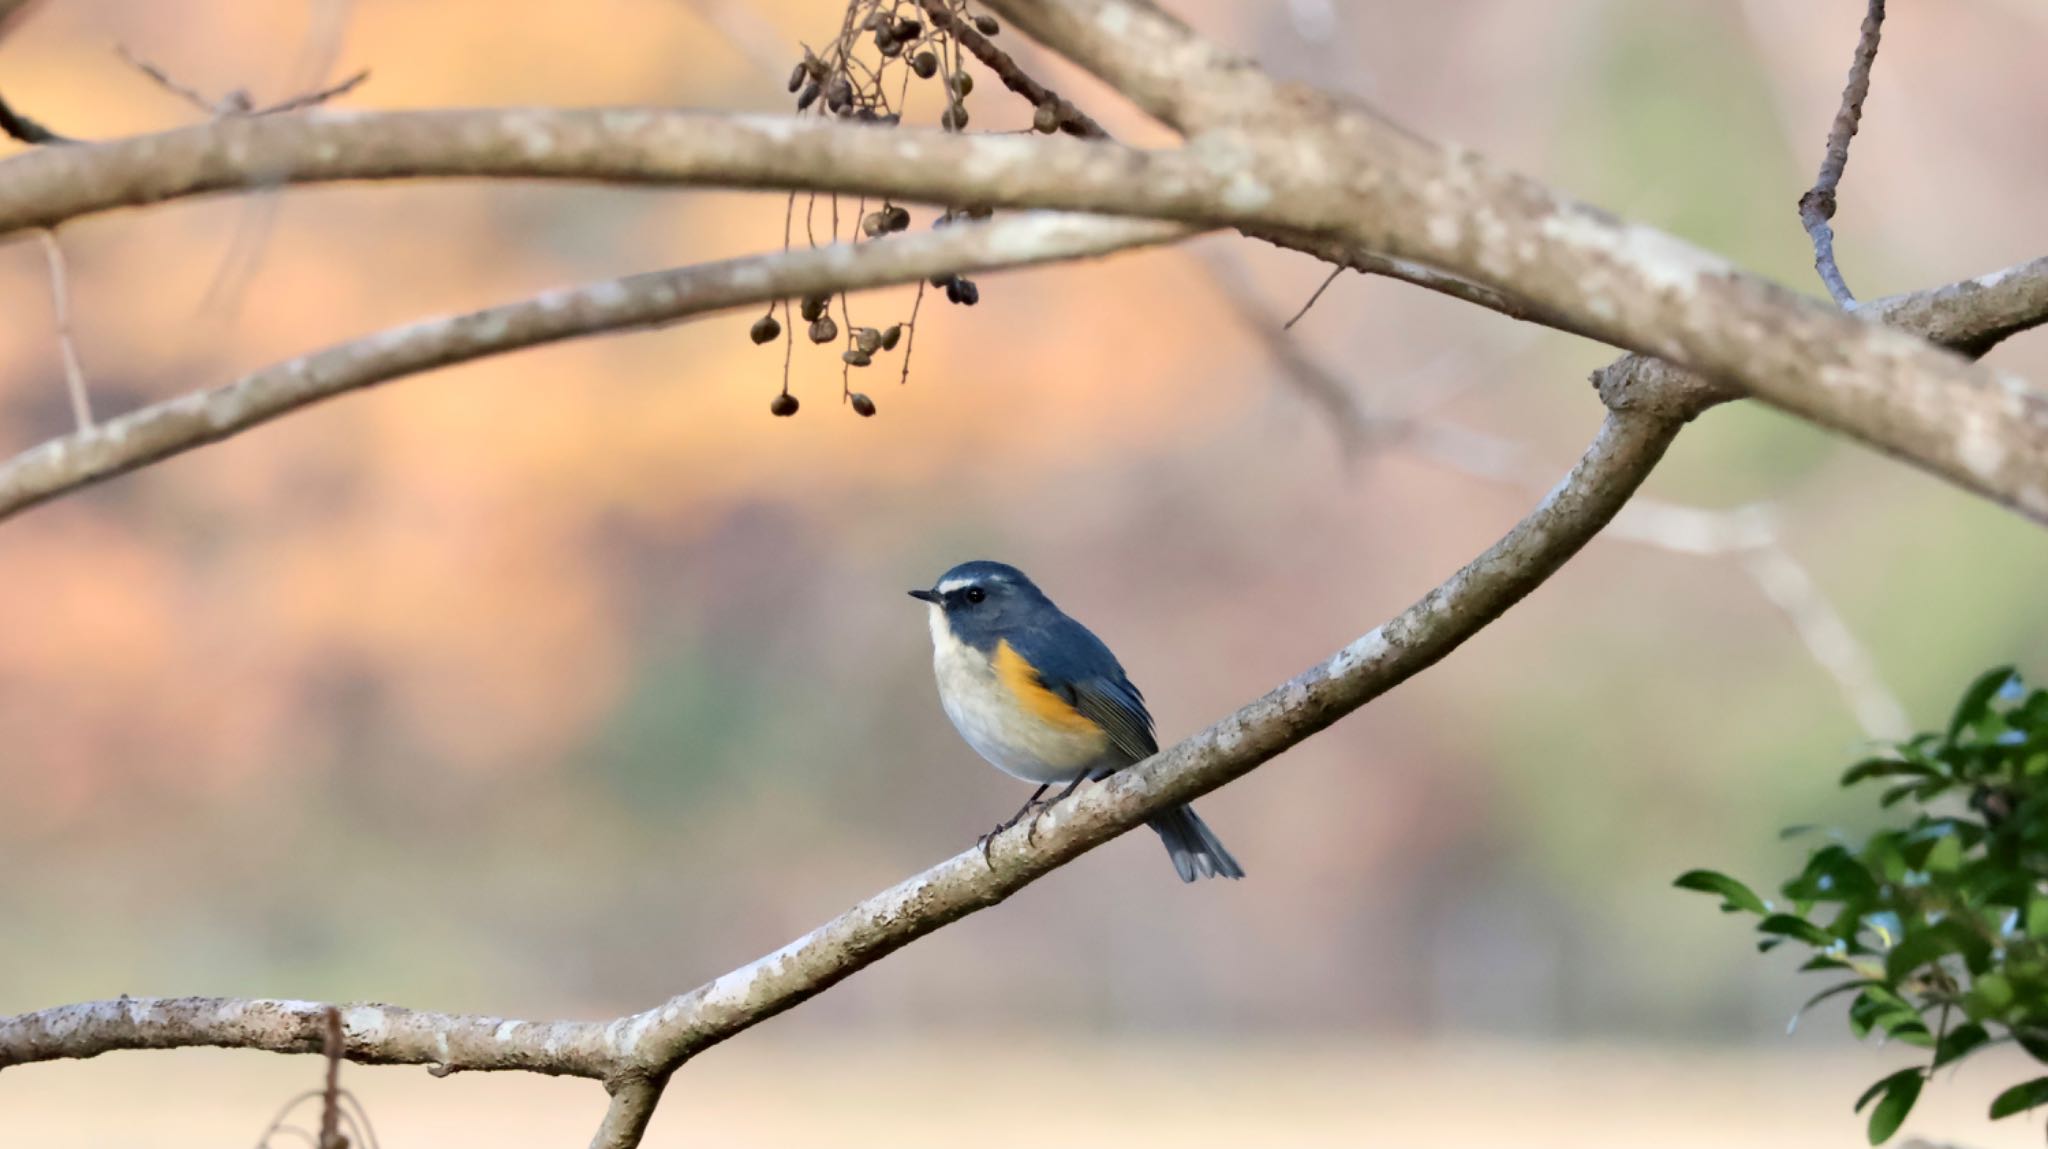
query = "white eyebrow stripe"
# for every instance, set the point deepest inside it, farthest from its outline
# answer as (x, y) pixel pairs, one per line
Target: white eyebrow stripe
(953, 584)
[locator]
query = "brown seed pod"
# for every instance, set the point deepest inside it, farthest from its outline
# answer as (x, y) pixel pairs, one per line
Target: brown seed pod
(1046, 119)
(808, 97)
(986, 25)
(908, 29)
(783, 405)
(797, 75)
(963, 291)
(897, 218)
(814, 306)
(954, 119)
(823, 330)
(874, 223)
(891, 335)
(887, 44)
(925, 64)
(856, 358)
(962, 82)
(867, 339)
(765, 330)
(863, 406)
(839, 94)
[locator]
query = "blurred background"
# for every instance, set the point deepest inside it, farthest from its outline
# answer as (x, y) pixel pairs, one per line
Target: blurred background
(559, 683)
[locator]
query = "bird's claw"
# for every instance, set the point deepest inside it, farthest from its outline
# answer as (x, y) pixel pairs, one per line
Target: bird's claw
(1031, 810)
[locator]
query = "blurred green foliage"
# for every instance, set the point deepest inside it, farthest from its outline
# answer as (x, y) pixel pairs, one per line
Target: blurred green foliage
(1942, 921)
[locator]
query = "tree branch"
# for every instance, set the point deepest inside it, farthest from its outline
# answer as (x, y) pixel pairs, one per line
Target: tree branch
(637, 1052)
(164, 429)
(631, 1108)
(1621, 282)
(1342, 174)
(1817, 206)
(374, 1034)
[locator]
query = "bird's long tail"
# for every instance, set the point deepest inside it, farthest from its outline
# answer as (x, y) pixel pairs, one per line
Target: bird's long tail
(1192, 844)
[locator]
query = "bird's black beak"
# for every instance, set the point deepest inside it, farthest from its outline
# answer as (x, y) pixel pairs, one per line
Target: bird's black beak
(930, 596)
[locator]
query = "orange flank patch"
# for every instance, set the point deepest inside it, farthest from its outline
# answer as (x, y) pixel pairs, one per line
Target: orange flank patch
(1020, 678)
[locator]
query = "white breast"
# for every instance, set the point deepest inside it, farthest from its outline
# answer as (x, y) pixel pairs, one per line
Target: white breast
(982, 709)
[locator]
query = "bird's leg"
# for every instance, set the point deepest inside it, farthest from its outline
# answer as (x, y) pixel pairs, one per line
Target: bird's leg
(990, 837)
(1032, 830)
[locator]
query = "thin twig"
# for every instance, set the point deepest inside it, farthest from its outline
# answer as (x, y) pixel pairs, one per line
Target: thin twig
(20, 127)
(228, 105)
(1817, 206)
(1072, 120)
(277, 1124)
(318, 96)
(1318, 294)
(330, 1097)
(60, 298)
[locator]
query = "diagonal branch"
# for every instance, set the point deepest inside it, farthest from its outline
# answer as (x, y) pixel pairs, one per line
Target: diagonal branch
(635, 1053)
(631, 1108)
(1817, 206)
(164, 429)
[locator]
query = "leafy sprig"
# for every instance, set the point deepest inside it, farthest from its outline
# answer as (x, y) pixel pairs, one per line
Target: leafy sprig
(1940, 924)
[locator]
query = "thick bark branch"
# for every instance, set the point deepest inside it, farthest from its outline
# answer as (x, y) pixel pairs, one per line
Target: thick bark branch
(1338, 172)
(1626, 284)
(164, 429)
(375, 1034)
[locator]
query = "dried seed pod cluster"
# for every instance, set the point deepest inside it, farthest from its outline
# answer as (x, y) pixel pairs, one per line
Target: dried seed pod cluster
(864, 75)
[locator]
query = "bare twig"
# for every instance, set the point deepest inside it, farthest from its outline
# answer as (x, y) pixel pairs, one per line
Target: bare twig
(234, 103)
(1071, 119)
(330, 1096)
(1313, 296)
(19, 127)
(1817, 206)
(239, 102)
(164, 429)
(60, 300)
(317, 96)
(277, 1124)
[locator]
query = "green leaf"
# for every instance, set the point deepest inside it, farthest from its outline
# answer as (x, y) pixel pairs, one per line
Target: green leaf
(1929, 944)
(1959, 1042)
(2037, 918)
(1879, 1008)
(1899, 1092)
(1946, 857)
(1976, 700)
(1793, 926)
(1734, 895)
(1885, 768)
(1822, 996)
(1989, 996)
(2033, 1041)
(2020, 1098)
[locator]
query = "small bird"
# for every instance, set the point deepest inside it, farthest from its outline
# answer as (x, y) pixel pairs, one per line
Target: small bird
(1040, 697)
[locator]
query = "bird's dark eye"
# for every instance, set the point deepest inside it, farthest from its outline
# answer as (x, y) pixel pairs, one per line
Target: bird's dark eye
(974, 594)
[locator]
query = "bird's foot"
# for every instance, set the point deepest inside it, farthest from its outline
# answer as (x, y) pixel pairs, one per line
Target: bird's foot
(1030, 810)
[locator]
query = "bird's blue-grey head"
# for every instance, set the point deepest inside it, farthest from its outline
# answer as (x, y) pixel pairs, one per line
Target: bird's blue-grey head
(982, 601)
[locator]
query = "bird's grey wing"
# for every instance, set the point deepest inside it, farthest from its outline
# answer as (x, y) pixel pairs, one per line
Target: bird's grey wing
(1114, 705)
